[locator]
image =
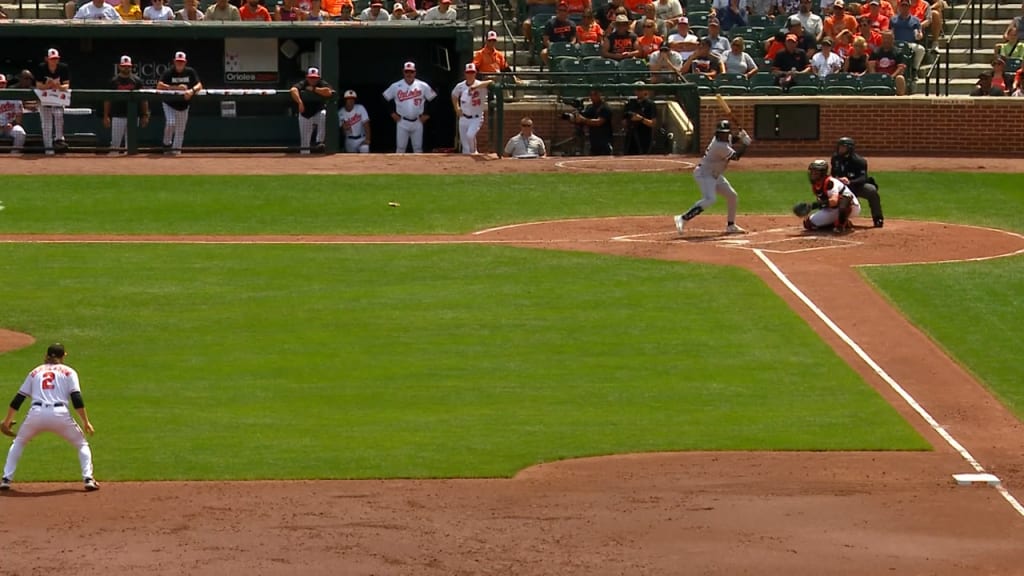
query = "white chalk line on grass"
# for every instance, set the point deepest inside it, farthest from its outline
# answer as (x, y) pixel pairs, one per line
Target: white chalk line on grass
(621, 164)
(959, 448)
(958, 260)
(296, 242)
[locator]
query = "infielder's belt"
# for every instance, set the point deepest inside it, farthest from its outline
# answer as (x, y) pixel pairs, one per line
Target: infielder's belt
(470, 117)
(416, 119)
(54, 405)
(355, 137)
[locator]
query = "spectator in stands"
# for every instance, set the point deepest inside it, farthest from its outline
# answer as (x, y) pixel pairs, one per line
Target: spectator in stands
(790, 63)
(1018, 82)
(621, 44)
(984, 86)
(286, 11)
(810, 21)
(999, 77)
(190, 13)
(526, 144)
(669, 11)
(929, 16)
(606, 16)
(1013, 38)
(649, 42)
(129, 10)
(158, 11)
(375, 12)
(843, 44)
(97, 10)
(719, 43)
(398, 12)
(589, 31)
(597, 117)
(635, 8)
(650, 15)
(876, 14)
(739, 62)
(733, 14)
(253, 11)
(884, 60)
(316, 12)
(638, 117)
(703, 61)
(489, 60)
(804, 39)
(774, 45)
(826, 62)
(621, 11)
(347, 13)
(222, 11)
(873, 36)
(762, 7)
(907, 28)
(559, 29)
(577, 8)
(682, 40)
(788, 7)
(666, 65)
(838, 21)
(443, 12)
(536, 8)
(856, 62)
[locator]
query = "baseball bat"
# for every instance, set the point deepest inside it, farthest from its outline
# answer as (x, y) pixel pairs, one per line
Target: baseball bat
(724, 107)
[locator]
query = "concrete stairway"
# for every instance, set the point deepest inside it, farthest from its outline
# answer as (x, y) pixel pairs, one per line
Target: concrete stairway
(963, 66)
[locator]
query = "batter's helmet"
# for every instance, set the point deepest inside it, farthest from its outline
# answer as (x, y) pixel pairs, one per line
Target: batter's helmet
(848, 142)
(723, 127)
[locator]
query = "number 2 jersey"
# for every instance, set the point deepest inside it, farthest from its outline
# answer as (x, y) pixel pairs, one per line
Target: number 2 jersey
(50, 383)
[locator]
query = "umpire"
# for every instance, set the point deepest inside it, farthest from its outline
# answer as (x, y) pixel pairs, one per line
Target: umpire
(852, 169)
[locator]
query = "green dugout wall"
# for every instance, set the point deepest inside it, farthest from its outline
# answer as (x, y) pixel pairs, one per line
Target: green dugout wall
(358, 56)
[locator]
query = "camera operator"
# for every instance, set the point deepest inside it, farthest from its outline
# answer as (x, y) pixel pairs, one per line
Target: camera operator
(597, 116)
(638, 116)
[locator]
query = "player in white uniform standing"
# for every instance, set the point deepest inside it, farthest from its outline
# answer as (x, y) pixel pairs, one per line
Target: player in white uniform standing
(183, 78)
(710, 176)
(836, 202)
(410, 96)
(355, 124)
(52, 386)
(10, 120)
(469, 98)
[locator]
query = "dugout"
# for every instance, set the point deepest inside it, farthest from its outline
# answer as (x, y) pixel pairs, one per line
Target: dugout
(365, 57)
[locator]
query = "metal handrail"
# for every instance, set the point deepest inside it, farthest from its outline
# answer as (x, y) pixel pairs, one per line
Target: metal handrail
(972, 8)
(495, 9)
(936, 65)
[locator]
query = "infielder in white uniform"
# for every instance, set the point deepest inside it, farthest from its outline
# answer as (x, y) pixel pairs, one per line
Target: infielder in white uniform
(53, 75)
(835, 201)
(710, 176)
(53, 388)
(309, 96)
(469, 98)
(10, 120)
(410, 96)
(355, 124)
(182, 78)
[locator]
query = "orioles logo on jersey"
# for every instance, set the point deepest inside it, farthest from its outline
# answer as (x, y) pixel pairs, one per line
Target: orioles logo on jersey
(404, 95)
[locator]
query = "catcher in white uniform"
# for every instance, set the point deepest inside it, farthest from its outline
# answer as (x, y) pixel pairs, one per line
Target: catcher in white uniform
(355, 124)
(410, 96)
(469, 98)
(710, 176)
(835, 202)
(53, 388)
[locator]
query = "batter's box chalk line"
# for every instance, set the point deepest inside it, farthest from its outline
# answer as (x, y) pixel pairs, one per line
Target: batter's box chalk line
(829, 244)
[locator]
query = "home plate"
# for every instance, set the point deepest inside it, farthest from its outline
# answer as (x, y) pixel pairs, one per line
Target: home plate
(968, 479)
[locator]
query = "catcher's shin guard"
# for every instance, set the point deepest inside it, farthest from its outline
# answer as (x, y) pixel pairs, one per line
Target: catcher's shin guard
(844, 210)
(807, 224)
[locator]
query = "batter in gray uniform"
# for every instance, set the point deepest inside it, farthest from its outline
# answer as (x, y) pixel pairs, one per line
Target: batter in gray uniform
(710, 176)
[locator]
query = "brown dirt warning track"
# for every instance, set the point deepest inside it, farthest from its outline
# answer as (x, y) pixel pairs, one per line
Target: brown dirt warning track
(803, 513)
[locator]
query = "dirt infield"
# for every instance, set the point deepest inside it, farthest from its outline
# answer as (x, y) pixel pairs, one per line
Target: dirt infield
(687, 513)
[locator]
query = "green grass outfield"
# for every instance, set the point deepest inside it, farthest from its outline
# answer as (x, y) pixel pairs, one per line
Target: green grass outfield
(399, 361)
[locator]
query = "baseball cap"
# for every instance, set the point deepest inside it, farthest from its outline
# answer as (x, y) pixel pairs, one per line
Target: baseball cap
(564, 5)
(639, 83)
(55, 350)
(791, 37)
(683, 20)
(492, 35)
(622, 18)
(350, 94)
(470, 67)
(313, 72)
(839, 4)
(409, 66)
(180, 57)
(875, 2)
(713, 22)
(705, 41)
(398, 6)
(125, 61)
(376, 3)
(793, 21)
(826, 41)
(52, 53)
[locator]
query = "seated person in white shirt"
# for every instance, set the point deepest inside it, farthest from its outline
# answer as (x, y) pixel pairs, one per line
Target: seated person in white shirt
(97, 10)
(682, 40)
(826, 62)
(157, 11)
(526, 144)
(442, 12)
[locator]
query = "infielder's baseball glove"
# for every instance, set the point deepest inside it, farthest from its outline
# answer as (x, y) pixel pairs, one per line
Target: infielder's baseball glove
(8, 431)
(802, 209)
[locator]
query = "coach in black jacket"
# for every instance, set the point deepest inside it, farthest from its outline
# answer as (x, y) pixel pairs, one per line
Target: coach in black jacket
(852, 170)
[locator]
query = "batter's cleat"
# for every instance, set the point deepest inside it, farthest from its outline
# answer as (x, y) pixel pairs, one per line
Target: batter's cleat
(5, 484)
(91, 485)
(320, 148)
(734, 229)
(680, 224)
(879, 222)
(49, 153)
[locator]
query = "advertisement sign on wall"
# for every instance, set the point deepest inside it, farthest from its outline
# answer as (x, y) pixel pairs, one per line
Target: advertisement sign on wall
(250, 61)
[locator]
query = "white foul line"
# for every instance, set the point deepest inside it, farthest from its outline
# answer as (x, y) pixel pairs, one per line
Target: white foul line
(885, 376)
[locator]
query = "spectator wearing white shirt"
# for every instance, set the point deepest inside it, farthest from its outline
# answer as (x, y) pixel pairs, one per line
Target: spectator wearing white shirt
(375, 12)
(97, 10)
(191, 12)
(157, 11)
(682, 40)
(668, 10)
(811, 22)
(440, 13)
(826, 62)
(665, 65)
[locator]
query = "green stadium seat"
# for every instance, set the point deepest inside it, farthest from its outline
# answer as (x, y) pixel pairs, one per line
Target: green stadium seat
(602, 70)
(589, 50)
(705, 86)
(761, 21)
(561, 50)
(840, 85)
(877, 85)
(697, 6)
(752, 34)
(763, 84)
(805, 85)
(698, 19)
(732, 84)
(633, 69)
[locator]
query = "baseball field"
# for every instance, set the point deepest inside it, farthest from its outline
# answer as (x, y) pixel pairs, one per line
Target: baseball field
(440, 365)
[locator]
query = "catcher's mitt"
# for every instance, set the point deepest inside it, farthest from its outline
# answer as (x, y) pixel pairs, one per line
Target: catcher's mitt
(802, 209)
(8, 430)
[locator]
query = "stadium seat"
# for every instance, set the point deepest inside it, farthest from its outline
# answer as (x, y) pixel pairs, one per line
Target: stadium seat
(732, 84)
(568, 65)
(538, 22)
(1012, 65)
(589, 50)
(632, 70)
(877, 85)
(840, 85)
(602, 70)
(579, 70)
(560, 51)
(693, 6)
(751, 34)
(763, 84)
(761, 21)
(698, 19)
(805, 85)
(705, 86)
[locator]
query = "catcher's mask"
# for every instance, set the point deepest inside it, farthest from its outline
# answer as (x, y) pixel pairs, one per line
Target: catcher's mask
(848, 142)
(817, 171)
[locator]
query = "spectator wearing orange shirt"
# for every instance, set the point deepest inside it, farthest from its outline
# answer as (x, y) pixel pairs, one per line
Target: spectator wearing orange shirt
(838, 21)
(1018, 83)
(589, 31)
(870, 34)
(490, 60)
(876, 15)
(333, 7)
(252, 10)
(649, 42)
(635, 7)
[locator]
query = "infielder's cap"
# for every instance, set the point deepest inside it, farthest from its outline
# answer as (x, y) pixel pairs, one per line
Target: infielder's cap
(791, 37)
(683, 20)
(125, 61)
(492, 35)
(52, 53)
(350, 94)
(470, 67)
(622, 18)
(409, 67)
(56, 350)
(180, 57)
